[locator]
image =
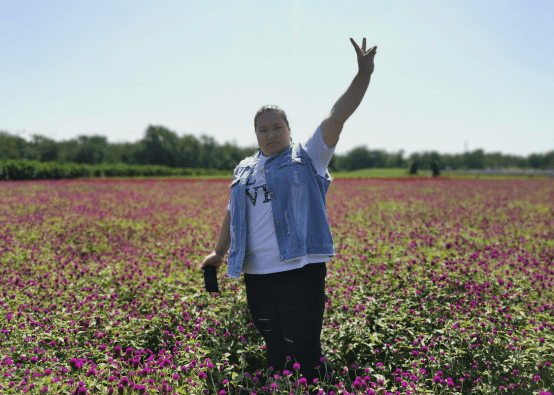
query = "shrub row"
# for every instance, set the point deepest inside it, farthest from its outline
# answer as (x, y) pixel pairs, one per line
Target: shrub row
(35, 170)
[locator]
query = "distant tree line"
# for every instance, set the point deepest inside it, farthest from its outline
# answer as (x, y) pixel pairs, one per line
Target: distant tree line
(161, 146)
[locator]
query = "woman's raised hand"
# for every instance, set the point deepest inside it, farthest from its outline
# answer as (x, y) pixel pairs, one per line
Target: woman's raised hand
(365, 58)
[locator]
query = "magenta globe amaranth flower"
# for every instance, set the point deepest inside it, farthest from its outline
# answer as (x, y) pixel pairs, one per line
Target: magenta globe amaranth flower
(357, 385)
(296, 366)
(117, 351)
(75, 363)
(129, 352)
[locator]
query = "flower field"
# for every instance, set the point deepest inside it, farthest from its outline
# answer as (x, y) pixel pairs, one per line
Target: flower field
(438, 287)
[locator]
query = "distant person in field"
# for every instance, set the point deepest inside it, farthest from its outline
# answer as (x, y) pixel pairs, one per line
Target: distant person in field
(277, 230)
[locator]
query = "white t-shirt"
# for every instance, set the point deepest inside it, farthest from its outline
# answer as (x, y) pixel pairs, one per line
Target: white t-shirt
(262, 251)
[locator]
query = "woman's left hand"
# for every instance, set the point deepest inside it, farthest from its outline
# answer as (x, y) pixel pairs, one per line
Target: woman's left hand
(365, 58)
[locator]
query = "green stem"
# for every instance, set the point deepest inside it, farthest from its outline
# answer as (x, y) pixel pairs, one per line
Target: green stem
(213, 384)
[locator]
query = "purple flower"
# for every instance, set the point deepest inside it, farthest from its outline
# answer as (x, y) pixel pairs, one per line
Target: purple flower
(129, 352)
(102, 347)
(117, 351)
(296, 366)
(124, 381)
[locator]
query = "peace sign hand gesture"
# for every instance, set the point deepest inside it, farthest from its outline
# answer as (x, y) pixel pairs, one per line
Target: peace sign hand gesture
(365, 58)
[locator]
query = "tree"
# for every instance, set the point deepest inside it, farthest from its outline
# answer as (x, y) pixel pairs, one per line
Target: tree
(475, 159)
(8, 147)
(44, 149)
(396, 160)
(206, 159)
(159, 147)
(92, 149)
(188, 151)
(357, 158)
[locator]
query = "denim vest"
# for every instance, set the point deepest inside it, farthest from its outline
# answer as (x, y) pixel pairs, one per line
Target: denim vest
(297, 196)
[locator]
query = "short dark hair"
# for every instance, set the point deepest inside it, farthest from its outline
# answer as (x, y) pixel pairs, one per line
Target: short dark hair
(274, 109)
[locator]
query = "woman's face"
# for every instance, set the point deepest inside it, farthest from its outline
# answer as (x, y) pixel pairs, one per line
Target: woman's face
(272, 133)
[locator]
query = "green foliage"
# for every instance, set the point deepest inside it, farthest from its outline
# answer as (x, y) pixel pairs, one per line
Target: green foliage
(34, 170)
(161, 146)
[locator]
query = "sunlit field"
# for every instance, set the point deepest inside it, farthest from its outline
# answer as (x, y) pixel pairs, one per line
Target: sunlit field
(439, 286)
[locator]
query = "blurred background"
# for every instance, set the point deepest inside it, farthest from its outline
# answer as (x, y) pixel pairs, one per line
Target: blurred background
(467, 85)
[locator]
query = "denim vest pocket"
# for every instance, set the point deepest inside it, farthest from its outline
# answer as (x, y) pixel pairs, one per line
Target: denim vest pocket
(294, 172)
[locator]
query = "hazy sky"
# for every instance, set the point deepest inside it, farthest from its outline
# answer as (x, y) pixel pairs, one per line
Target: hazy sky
(446, 72)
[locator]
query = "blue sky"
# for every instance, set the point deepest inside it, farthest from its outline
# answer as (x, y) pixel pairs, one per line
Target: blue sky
(446, 73)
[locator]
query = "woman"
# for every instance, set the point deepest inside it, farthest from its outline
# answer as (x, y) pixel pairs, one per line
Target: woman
(278, 234)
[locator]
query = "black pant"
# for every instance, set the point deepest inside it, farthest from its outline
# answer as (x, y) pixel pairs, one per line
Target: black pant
(287, 309)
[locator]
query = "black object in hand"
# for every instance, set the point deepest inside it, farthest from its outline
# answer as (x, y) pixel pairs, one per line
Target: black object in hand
(210, 279)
